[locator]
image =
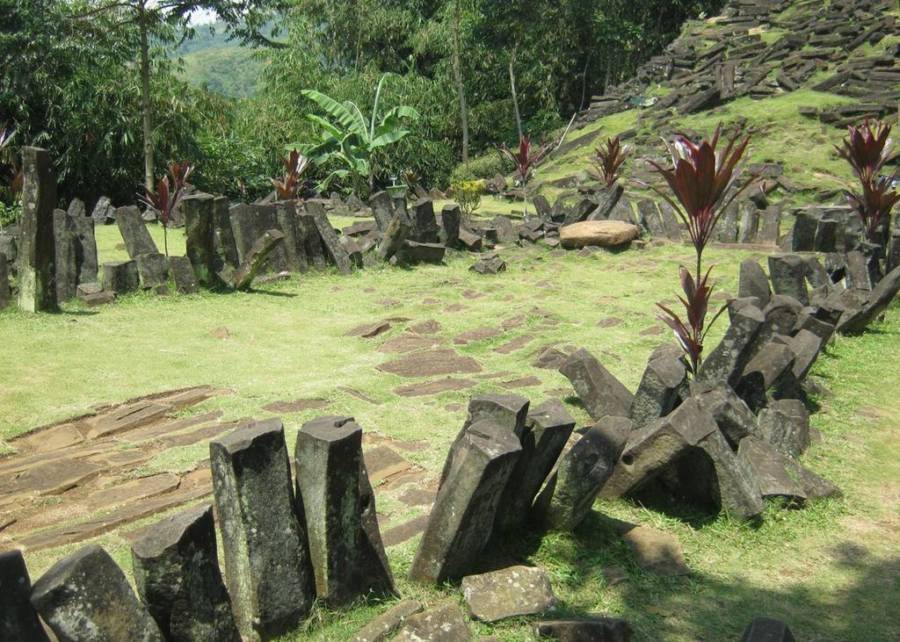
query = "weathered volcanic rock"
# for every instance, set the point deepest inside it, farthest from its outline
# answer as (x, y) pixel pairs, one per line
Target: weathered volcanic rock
(18, 620)
(598, 629)
(599, 390)
(85, 597)
(378, 629)
(120, 277)
(177, 575)
(36, 245)
(443, 623)
(183, 274)
(726, 362)
(764, 629)
(200, 241)
(663, 384)
(509, 592)
(753, 282)
(255, 259)
(788, 274)
(730, 412)
(854, 321)
(134, 232)
(785, 425)
(597, 234)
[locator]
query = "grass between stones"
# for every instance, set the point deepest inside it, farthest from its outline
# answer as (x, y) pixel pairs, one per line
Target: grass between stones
(829, 570)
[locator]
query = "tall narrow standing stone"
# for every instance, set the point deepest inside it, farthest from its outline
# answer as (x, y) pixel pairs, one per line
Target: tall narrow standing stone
(37, 287)
(462, 518)
(4, 282)
(332, 484)
(134, 232)
(662, 385)
(294, 246)
(450, 219)
(226, 249)
(200, 238)
(85, 249)
(330, 240)
(18, 621)
(177, 576)
(64, 262)
(85, 597)
(267, 566)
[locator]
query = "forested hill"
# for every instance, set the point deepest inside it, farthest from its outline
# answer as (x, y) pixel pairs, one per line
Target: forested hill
(219, 64)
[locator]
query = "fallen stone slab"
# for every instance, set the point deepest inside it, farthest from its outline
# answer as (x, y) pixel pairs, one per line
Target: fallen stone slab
(85, 597)
(489, 265)
(436, 387)
(572, 488)
(785, 425)
(267, 563)
(594, 629)
(18, 619)
(134, 232)
(336, 252)
(753, 282)
(725, 364)
(462, 518)
(369, 330)
(770, 368)
(731, 414)
(599, 390)
(378, 629)
(597, 234)
(255, 259)
(176, 571)
(856, 321)
(332, 484)
(764, 629)
(443, 623)
(656, 551)
(509, 592)
(412, 252)
(431, 363)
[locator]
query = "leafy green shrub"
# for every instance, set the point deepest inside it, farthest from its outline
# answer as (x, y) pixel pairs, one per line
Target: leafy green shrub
(486, 166)
(10, 214)
(468, 195)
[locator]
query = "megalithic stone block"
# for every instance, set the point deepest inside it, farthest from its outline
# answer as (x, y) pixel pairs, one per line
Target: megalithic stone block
(85, 597)
(183, 274)
(770, 225)
(267, 565)
(726, 362)
(599, 390)
(333, 487)
(64, 261)
(663, 384)
(462, 518)
(312, 241)
(330, 239)
(764, 629)
(781, 476)
(200, 238)
(770, 368)
(788, 274)
(176, 571)
(383, 209)
(804, 233)
(573, 487)
(733, 417)
(255, 259)
(18, 619)
(806, 346)
(4, 282)
(424, 223)
(785, 425)
(450, 220)
(120, 277)
(294, 243)
(134, 232)
(394, 236)
(547, 430)
(855, 320)
(85, 249)
(507, 410)
(749, 223)
(153, 271)
(223, 235)
(37, 287)
(753, 282)
(248, 224)
(608, 200)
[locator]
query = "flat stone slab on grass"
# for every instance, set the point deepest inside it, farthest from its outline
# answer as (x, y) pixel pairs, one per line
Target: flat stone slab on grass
(478, 334)
(298, 405)
(443, 623)
(656, 551)
(431, 363)
(369, 330)
(510, 592)
(516, 344)
(597, 234)
(426, 327)
(407, 342)
(382, 626)
(433, 387)
(523, 382)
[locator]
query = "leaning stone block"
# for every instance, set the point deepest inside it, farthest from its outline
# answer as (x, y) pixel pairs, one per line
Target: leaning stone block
(134, 232)
(255, 259)
(294, 241)
(414, 252)
(547, 430)
(663, 384)
(770, 368)
(394, 236)
(726, 362)
(176, 571)
(120, 277)
(330, 240)
(599, 390)
(424, 223)
(85, 597)
(18, 620)
(383, 209)
(785, 425)
(450, 219)
(462, 518)
(753, 282)
(223, 235)
(36, 245)
(781, 476)
(764, 629)
(733, 417)
(64, 262)
(267, 564)
(5, 292)
(572, 488)
(331, 480)
(788, 274)
(183, 274)
(854, 321)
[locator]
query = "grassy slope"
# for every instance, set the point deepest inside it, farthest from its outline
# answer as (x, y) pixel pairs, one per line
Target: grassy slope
(829, 570)
(229, 70)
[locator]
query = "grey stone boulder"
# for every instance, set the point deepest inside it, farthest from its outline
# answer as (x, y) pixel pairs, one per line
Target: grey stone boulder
(18, 619)
(450, 220)
(771, 367)
(153, 271)
(788, 274)
(782, 476)
(176, 570)
(572, 488)
(725, 364)
(662, 386)
(785, 425)
(489, 265)
(509, 592)
(443, 623)
(593, 629)
(120, 277)
(381, 627)
(855, 321)
(599, 390)
(183, 275)
(752, 281)
(733, 417)
(764, 629)
(85, 597)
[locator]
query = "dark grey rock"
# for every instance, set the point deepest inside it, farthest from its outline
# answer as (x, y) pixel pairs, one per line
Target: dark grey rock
(18, 620)
(443, 623)
(200, 238)
(85, 249)
(378, 629)
(662, 385)
(753, 282)
(510, 592)
(104, 213)
(599, 390)
(176, 571)
(726, 362)
(598, 629)
(788, 274)
(733, 417)
(462, 518)
(332, 486)
(255, 259)
(855, 320)
(505, 231)
(223, 236)
(804, 234)
(333, 248)
(85, 597)
(749, 225)
(489, 265)
(769, 368)
(450, 220)
(183, 274)
(601, 210)
(764, 629)
(424, 222)
(859, 271)
(36, 245)
(395, 236)
(415, 252)
(153, 271)
(294, 241)
(572, 488)
(64, 262)
(770, 225)
(785, 425)
(120, 277)
(826, 239)
(134, 232)
(383, 209)
(267, 563)
(470, 240)
(249, 223)
(5, 292)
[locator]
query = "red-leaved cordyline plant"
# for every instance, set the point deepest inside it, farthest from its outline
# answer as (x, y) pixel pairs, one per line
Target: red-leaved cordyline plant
(525, 159)
(608, 160)
(294, 166)
(168, 195)
(868, 150)
(700, 179)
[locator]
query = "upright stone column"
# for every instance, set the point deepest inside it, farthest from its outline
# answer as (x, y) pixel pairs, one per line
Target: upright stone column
(37, 287)
(201, 240)
(18, 620)
(348, 562)
(267, 564)
(226, 249)
(176, 571)
(462, 518)
(4, 282)
(134, 232)
(65, 264)
(85, 597)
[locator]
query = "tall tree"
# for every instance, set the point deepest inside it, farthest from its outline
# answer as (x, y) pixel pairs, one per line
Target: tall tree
(458, 80)
(167, 22)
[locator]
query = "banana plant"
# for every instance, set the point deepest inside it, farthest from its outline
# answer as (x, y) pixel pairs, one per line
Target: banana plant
(349, 142)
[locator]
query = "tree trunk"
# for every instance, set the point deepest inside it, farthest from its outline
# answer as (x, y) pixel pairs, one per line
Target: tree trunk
(146, 107)
(460, 88)
(515, 98)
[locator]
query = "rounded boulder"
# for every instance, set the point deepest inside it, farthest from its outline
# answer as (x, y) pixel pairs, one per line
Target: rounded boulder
(597, 233)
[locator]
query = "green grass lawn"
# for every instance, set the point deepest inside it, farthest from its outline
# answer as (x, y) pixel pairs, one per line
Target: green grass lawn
(831, 570)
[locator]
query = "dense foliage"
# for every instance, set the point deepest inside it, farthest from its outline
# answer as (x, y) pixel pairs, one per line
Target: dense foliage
(72, 85)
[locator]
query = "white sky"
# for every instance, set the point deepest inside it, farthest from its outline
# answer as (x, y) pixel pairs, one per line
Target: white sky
(202, 16)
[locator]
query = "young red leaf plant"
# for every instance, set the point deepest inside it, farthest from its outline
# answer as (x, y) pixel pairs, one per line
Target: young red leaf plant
(288, 187)
(608, 160)
(168, 195)
(868, 150)
(525, 159)
(700, 180)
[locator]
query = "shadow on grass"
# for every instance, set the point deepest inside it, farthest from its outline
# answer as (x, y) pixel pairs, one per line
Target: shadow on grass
(859, 606)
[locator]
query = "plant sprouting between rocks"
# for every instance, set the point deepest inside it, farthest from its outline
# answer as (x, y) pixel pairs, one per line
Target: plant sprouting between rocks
(608, 160)
(169, 192)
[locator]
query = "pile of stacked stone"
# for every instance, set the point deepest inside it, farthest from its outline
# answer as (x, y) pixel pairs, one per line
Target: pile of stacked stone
(730, 436)
(285, 545)
(727, 58)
